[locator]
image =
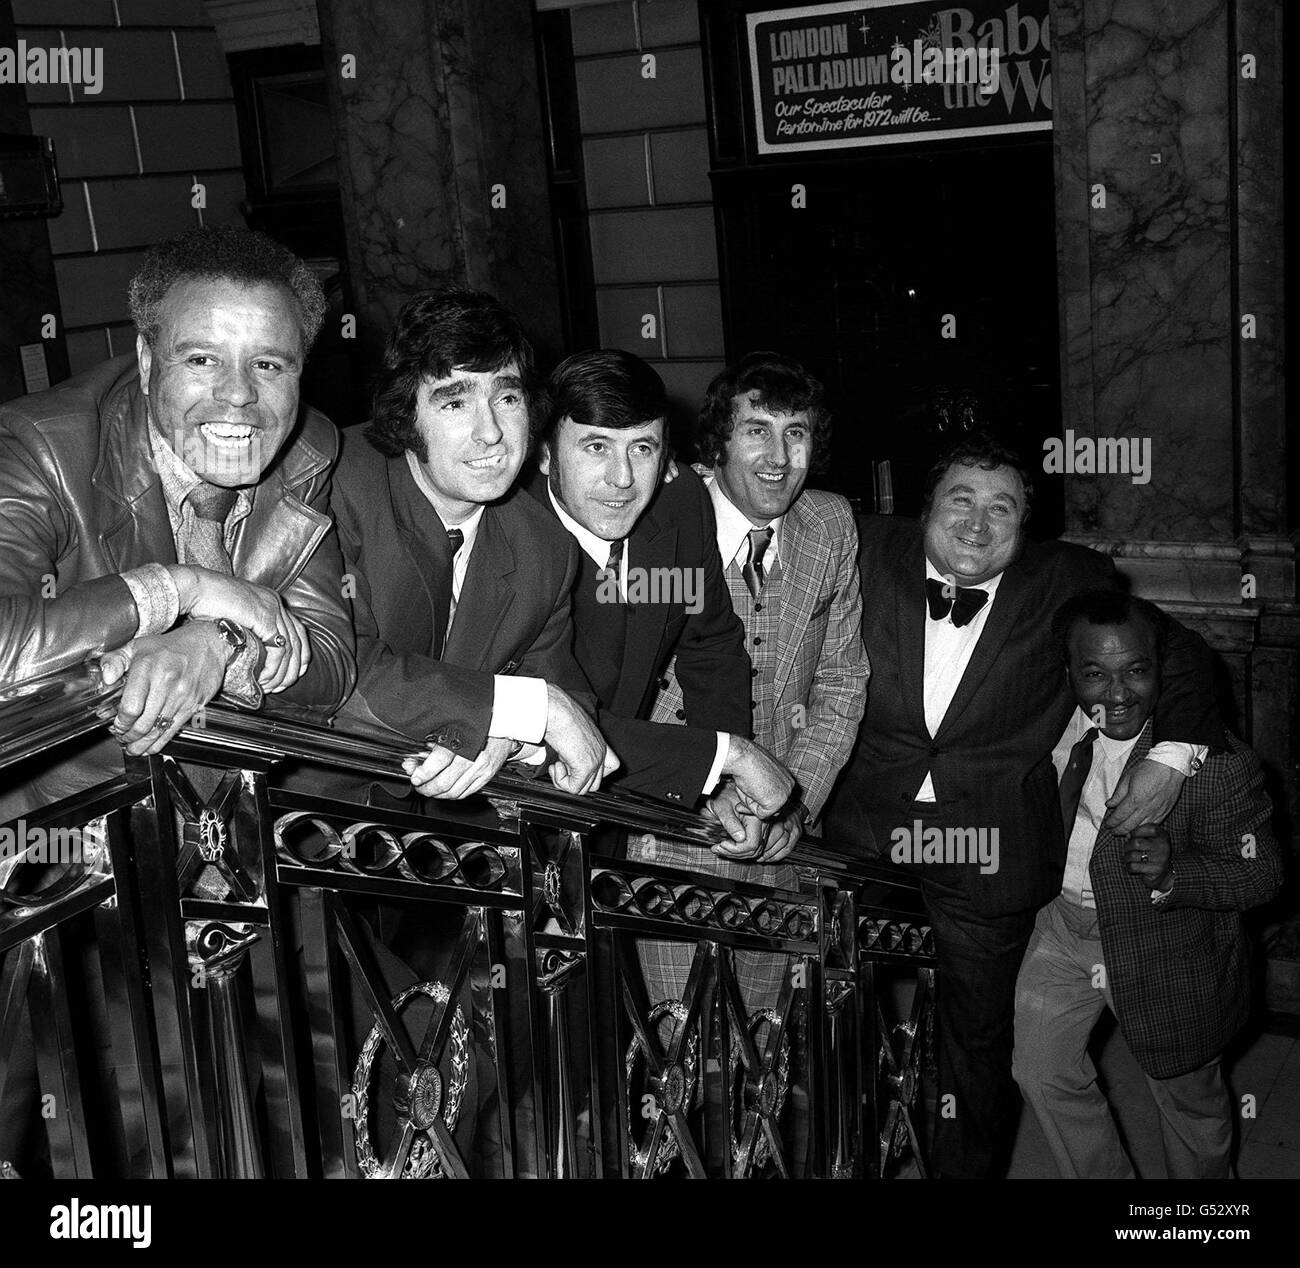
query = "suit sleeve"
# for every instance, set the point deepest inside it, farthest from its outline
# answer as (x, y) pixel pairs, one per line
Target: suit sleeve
(712, 666)
(1236, 863)
(42, 626)
(550, 655)
(1187, 710)
(316, 598)
(668, 762)
(415, 695)
(838, 695)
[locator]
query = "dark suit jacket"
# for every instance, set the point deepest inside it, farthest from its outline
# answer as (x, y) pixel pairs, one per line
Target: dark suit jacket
(1179, 971)
(676, 531)
(991, 759)
(513, 614)
(80, 502)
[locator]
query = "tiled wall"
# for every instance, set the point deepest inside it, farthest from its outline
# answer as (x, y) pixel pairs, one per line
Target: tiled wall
(646, 155)
(130, 155)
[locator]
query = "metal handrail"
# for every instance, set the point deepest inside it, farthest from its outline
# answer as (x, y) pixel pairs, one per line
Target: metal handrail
(190, 890)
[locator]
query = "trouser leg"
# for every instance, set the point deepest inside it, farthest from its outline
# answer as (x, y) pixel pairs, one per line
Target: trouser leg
(978, 959)
(1059, 997)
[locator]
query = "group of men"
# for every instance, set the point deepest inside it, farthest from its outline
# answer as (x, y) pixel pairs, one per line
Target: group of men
(502, 568)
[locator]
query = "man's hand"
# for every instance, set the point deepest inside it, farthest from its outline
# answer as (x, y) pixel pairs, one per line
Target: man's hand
(1144, 794)
(745, 828)
(582, 758)
(213, 596)
(762, 780)
(782, 837)
(169, 678)
(1149, 855)
(285, 658)
(444, 774)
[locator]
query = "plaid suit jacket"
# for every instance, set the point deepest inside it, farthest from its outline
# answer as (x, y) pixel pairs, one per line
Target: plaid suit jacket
(819, 692)
(1178, 971)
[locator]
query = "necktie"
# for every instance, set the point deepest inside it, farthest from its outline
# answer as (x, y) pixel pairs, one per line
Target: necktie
(203, 542)
(968, 601)
(614, 568)
(1074, 777)
(753, 571)
(442, 595)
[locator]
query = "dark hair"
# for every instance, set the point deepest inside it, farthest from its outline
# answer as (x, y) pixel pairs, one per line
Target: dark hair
(224, 251)
(783, 386)
(983, 451)
(605, 387)
(1106, 607)
(437, 332)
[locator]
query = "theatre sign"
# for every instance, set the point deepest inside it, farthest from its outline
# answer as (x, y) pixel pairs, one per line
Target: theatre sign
(835, 76)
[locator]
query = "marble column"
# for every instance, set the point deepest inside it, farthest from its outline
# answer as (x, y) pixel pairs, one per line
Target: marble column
(439, 121)
(1169, 201)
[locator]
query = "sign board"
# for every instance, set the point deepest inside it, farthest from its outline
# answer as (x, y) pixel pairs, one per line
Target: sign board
(880, 72)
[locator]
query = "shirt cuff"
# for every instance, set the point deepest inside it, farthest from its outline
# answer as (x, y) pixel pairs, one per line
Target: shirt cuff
(157, 601)
(1187, 759)
(719, 761)
(518, 708)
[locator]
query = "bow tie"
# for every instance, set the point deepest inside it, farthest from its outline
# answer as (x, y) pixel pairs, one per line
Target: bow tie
(968, 601)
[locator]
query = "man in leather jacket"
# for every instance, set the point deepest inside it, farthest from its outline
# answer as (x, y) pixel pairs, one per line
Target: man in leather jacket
(167, 512)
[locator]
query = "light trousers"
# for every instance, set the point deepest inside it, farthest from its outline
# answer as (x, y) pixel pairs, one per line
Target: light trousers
(1060, 994)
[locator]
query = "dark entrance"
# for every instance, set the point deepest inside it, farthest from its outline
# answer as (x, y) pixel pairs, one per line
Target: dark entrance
(918, 282)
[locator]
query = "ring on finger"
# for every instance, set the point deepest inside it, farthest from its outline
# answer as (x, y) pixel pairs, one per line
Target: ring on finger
(278, 640)
(1146, 858)
(162, 724)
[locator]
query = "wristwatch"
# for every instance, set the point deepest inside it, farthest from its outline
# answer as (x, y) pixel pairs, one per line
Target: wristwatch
(234, 636)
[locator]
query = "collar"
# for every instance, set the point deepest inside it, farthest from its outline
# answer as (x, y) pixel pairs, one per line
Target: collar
(595, 548)
(990, 586)
(734, 526)
(1111, 750)
(468, 527)
(179, 480)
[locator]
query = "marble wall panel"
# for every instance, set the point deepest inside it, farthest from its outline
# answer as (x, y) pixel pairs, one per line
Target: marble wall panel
(442, 117)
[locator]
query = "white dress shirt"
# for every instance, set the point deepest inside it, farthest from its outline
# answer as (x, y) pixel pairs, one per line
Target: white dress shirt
(1108, 759)
(948, 649)
(597, 550)
(734, 529)
(519, 704)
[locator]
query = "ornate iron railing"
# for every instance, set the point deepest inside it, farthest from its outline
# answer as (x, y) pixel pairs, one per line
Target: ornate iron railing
(209, 970)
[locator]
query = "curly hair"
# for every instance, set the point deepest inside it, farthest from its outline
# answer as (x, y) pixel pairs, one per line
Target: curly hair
(783, 387)
(437, 332)
(224, 251)
(988, 454)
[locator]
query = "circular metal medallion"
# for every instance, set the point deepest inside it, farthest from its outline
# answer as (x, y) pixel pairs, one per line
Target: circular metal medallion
(674, 1088)
(212, 836)
(426, 1097)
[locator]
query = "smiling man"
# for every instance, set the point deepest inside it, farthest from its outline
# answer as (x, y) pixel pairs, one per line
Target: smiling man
(1148, 924)
(168, 511)
(788, 556)
(602, 461)
(460, 582)
(966, 703)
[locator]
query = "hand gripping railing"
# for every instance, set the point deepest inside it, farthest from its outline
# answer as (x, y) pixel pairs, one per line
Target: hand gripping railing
(271, 980)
